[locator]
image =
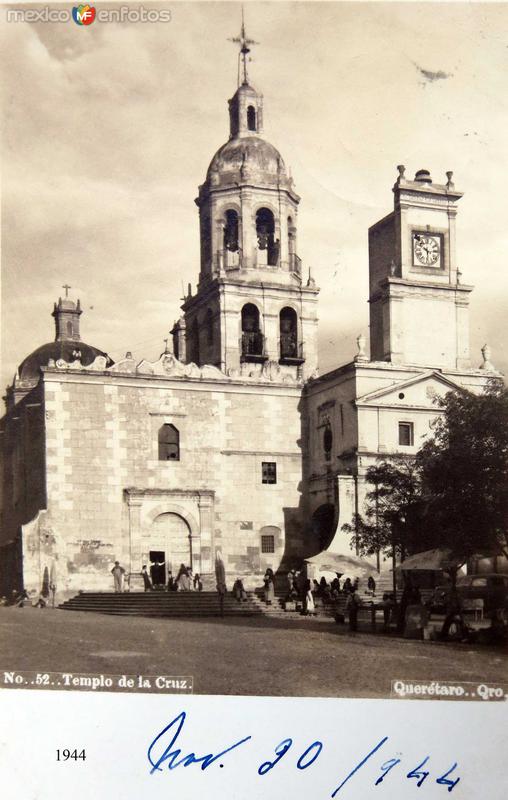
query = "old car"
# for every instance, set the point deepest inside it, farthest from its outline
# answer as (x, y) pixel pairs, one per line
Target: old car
(491, 588)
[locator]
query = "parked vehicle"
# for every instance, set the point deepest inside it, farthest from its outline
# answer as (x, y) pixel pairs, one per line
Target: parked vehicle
(492, 588)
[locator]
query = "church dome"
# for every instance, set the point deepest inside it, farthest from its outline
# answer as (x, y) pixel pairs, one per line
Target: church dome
(250, 155)
(29, 369)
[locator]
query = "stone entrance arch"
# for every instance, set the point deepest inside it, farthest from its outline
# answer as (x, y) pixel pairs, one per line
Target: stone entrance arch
(172, 536)
(177, 522)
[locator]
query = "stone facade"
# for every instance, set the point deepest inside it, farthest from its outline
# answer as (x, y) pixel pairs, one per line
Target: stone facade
(233, 444)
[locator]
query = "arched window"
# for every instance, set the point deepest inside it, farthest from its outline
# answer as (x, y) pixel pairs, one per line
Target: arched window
(209, 325)
(252, 338)
(169, 443)
(288, 323)
(251, 118)
(231, 231)
(70, 332)
(268, 246)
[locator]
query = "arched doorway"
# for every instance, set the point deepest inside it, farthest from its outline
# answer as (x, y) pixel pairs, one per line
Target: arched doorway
(170, 546)
(323, 526)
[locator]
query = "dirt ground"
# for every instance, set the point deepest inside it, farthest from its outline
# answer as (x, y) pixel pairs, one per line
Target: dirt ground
(252, 656)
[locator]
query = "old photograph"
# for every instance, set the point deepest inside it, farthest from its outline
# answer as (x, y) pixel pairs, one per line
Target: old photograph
(255, 427)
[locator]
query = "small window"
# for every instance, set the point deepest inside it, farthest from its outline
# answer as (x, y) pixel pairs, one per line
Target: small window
(267, 544)
(169, 443)
(269, 472)
(479, 582)
(406, 434)
(251, 118)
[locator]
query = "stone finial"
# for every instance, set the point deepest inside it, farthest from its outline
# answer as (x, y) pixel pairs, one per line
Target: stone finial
(487, 365)
(450, 184)
(393, 268)
(128, 354)
(401, 168)
(423, 176)
(361, 342)
(310, 279)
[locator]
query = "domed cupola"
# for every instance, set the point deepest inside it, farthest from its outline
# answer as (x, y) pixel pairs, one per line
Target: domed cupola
(247, 204)
(67, 346)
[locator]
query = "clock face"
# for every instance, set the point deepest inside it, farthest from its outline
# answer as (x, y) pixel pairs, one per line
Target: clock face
(426, 249)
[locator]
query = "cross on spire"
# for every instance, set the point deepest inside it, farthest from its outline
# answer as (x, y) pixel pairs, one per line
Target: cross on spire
(66, 287)
(244, 43)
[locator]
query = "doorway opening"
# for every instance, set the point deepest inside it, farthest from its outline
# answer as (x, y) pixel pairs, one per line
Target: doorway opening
(157, 568)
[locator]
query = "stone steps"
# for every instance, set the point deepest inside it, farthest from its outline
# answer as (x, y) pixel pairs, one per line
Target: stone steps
(161, 604)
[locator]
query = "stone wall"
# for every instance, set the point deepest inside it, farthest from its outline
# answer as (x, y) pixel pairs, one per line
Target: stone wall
(106, 485)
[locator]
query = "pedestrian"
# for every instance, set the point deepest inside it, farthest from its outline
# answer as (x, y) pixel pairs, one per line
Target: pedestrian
(239, 590)
(405, 601)
(290, 580)
(182, 579)
(387, 610)
(348, 586)
(118, 572)
(198, 583)
(310, 607)
(269, 587)
(352, 605)
(146, 579)
(171, 582)
(221, 590)
(371, 584)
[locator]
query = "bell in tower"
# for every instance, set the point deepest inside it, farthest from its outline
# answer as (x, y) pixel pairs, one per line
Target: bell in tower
(250, 281)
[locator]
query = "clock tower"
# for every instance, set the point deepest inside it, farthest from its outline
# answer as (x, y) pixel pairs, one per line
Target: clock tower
(418, 305)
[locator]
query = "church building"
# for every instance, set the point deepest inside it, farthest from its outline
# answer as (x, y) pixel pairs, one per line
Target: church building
(232, 444)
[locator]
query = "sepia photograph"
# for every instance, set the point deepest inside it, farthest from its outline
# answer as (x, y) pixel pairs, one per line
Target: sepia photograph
(254, 436)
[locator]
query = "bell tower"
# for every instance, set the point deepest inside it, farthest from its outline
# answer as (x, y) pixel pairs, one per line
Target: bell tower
(419, 308)
(251, 306)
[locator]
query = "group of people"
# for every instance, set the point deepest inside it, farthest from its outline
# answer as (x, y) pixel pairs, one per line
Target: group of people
(185, 581)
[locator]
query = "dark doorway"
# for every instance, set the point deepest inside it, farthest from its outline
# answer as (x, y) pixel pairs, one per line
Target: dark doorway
(324, 524)
(158, 568)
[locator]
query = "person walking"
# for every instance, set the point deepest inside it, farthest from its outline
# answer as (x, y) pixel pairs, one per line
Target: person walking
(146, 579)
(118, 572)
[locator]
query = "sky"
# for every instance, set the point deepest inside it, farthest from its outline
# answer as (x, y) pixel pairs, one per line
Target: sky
(108, 131)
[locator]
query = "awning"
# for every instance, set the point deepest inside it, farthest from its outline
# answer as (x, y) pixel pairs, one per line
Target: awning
(436, 560)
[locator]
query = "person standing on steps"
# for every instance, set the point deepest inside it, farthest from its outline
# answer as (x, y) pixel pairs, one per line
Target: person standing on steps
(118, 572)
(146, 579)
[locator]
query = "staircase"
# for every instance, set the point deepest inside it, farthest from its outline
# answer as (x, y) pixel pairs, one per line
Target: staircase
(162, 604)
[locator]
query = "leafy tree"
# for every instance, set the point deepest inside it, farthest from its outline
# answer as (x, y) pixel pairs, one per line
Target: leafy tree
(464, 472)
(454, 494)
(393, 514)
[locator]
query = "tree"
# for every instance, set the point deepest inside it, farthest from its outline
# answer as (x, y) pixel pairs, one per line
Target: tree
(464, 472)
(392, 521)
(454, 494)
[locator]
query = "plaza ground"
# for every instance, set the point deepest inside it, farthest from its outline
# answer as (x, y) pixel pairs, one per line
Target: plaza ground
(256, 655)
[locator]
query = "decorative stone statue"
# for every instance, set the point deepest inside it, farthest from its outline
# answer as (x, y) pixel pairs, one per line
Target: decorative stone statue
(487, 364)
(361, 342)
